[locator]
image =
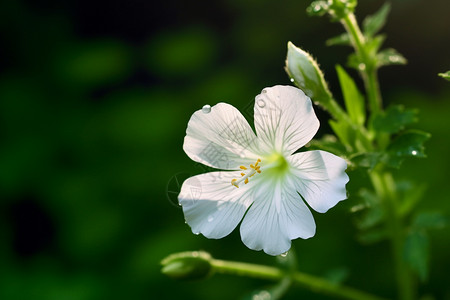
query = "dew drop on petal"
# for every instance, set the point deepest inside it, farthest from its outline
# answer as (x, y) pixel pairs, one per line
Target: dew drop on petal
(284, 254)
(261, 103)
(206, 109)
(264, 91)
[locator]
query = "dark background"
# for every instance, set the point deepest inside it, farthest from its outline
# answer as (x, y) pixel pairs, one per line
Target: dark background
(94, 101)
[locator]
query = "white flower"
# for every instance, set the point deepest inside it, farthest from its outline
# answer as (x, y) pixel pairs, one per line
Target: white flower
(266, 183)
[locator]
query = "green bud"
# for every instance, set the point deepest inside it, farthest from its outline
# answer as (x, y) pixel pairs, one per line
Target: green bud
(338, 9)
(317, 8)
(187, 265)
(445, 75)
(304, 71)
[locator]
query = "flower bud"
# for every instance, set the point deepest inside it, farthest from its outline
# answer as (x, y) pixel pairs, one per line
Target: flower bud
(187, 265)
(338, 9)
(306, 74)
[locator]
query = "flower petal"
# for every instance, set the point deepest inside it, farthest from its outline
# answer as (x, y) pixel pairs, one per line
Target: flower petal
(221, 138)
(277, 216)
(211, 205)
(321, 178)
(284, 119)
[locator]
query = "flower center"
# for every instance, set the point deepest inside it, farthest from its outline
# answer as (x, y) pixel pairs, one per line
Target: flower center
(250, 172)
(277, 163)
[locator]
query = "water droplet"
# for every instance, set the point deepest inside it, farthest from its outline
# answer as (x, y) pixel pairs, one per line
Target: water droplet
(362, 66)
(210, 219)
(292, 79)
(206, 109)
(261, 103)
(264, 91)
(196, 233)
(414, 152)
(284, 254)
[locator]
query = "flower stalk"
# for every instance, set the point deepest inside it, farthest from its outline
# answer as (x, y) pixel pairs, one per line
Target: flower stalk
(313, 283)
(367, 68)
(382, 181)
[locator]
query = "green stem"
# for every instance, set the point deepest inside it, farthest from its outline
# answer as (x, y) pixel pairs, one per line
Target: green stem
(367, 69)
(385, 188)
(271, 273)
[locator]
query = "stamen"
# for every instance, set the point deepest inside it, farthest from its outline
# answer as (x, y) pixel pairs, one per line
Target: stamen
(244, 177)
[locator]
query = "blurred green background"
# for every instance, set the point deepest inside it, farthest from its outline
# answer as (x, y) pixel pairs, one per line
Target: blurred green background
(95, 97)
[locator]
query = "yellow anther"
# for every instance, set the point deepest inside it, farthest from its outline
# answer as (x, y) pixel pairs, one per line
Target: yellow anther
(244, 177)
(233, 182)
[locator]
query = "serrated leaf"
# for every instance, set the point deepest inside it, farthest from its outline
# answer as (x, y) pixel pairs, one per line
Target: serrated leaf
(390, 57)
(342, 39)
(372, 24)
(394, 119)
(416, 253)
(430, 220)
(304, 71)
(445, 75)
(354, 101)
(410, 143)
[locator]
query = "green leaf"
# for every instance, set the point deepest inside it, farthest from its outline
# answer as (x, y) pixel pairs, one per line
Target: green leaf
(430, 220)
(366, 160)
(390, 57)
(354, 101)
(410, 193)
(354, 61)
(373, 214)
(394, 119)
(306, 74)
(343, 132)
(372, 24)
(328, 143)
(374, 44)
(342, 39)
(416, 253)
(409, 143)
(372, 236)
(445, 75)
(337, 275)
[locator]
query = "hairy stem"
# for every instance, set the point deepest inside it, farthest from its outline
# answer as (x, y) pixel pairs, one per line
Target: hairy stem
(313, 283)
(368, 69)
